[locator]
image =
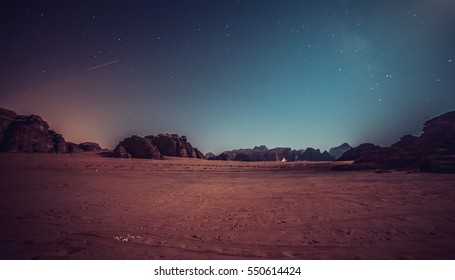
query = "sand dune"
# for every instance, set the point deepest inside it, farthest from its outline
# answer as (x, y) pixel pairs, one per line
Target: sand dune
(84, 206)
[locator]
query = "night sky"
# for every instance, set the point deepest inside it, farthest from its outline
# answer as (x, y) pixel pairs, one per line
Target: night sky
(230, 74)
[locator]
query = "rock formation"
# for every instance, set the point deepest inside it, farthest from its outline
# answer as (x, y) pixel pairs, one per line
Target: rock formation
(32, 134)
(6, 118)
(255, 154)
(137, 147)
(27, 134)
(242, 157)
(71, 147)
(210, 155)
(357, 152)
(58, 141)
(89, 146)
(280, 154)
(337, 152)
(433, 150)
(262, 153)
(156, 146)
(121, 152)
(311, 154)
(199, 154)
(221, 156)
(438, 138)
(174, 145)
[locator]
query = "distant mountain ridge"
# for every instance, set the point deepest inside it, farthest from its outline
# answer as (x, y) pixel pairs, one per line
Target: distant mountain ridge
(262, 153)
(337, 152)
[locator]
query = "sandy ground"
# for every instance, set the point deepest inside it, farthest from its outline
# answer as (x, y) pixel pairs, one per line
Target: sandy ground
(84, 206)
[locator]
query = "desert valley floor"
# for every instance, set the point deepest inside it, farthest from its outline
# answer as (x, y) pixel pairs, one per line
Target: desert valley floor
(85, 206)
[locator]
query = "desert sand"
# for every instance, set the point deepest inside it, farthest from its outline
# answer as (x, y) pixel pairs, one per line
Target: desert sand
(85, 206)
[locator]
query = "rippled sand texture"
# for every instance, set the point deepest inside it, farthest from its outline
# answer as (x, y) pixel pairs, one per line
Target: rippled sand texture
(84, 206)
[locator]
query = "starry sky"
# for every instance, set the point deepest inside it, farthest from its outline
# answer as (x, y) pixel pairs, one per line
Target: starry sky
(230, 74)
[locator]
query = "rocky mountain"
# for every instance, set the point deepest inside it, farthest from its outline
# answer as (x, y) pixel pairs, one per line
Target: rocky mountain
(59, 142)
(30, 134)
(357, 152)
(156, 147)
(433, 150)
(137, 147)
(337, 152)
(209, 155)
(221, 156)
(6, 118)
(72, 147)
(174, 145)
(311, 154)
(262, 153)
(89, 146)
(27, 134)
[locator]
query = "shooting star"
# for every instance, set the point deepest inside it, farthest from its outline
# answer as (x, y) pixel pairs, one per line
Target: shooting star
(102, 65)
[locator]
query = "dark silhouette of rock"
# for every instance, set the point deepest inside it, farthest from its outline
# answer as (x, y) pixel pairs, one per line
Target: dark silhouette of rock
(438, 138)
(20, 133)
(337, 152)
(442, 164)
(199, 154)
(388, 158)
(190, 150)
(326, 156)
(406, 142)
(357, 152)
(230, 155)
(27, 134)
(258, 153)
(298, 154)
(440, 126)
(72, 147)
(281, 154)
(262, 153)
(209, 155)
(8, 114)
(58, 141)
(221, 156)
(89, 146)
(137, 147)
(32, 134)
(242, 157)
(433, 150)
(168, 144)
(311, 154)
(174, 145)
(156, 147)
(120, 152)
(6, 118)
